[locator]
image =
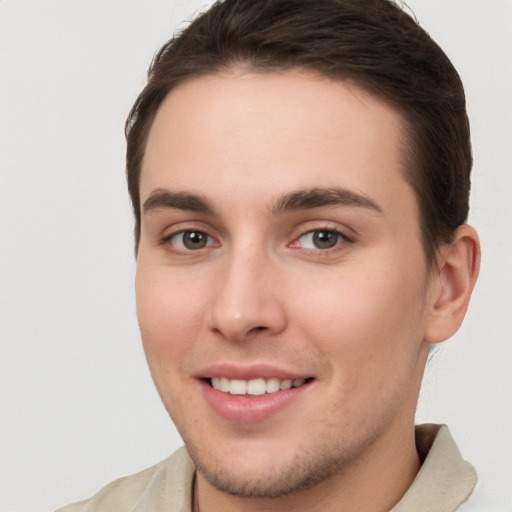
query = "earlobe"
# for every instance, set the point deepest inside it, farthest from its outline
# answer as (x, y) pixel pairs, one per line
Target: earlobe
(455, 277)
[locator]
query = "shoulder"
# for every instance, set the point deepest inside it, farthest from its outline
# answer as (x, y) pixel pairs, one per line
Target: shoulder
(149, 490)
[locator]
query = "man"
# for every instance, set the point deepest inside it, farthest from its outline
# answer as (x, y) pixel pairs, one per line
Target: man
(299, 172)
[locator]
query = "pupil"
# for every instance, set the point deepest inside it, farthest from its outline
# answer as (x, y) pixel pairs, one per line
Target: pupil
(194, 240)
(325, 239)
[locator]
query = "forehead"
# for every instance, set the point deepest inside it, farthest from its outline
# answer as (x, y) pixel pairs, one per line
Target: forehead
(272, 132)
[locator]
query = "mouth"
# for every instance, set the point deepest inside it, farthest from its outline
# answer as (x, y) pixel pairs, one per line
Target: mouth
(255, 400)
(252, 394)
(255, 387)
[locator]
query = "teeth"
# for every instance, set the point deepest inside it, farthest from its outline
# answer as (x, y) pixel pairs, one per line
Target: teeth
(273, 385)
(238, 387)
(224, 384)
(254, 387)
(286, 384)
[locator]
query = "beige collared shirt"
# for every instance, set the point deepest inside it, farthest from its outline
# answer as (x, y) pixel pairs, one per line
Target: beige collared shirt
(444, 482)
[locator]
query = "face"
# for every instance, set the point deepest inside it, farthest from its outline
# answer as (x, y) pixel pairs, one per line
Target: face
(281, 280)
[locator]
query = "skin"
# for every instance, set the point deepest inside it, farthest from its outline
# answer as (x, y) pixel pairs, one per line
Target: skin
(357, 318)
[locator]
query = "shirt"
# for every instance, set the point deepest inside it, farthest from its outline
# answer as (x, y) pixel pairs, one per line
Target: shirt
(443, 484)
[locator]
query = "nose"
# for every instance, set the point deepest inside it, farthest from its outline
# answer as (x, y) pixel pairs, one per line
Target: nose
(247, 299)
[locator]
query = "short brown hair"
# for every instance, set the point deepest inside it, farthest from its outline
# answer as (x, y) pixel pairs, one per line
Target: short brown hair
(373, 43)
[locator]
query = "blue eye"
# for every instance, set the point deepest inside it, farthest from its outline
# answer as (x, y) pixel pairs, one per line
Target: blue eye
(190, 240)
(320, 239)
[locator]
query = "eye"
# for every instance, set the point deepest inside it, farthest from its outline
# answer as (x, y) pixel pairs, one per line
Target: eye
(321, 239)
(190, 240)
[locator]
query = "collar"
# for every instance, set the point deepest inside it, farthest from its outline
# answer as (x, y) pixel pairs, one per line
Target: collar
(445, 479)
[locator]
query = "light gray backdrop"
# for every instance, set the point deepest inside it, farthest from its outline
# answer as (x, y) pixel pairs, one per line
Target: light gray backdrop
(78, 408)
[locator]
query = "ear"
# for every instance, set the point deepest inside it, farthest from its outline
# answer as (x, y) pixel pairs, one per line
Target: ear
(452, 283)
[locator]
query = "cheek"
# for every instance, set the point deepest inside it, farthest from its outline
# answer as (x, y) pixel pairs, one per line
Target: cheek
(365, 318)
(169, 313)
(367, 328)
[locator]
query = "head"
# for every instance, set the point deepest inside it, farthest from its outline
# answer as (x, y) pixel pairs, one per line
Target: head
(299, 172)
(372, 43)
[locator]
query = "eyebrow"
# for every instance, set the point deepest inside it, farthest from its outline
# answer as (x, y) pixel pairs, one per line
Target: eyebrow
(306, 199)
(162, 198)
(318, 197)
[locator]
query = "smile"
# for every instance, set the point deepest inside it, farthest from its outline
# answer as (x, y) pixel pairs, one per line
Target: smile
(254, 387)
(250, 401)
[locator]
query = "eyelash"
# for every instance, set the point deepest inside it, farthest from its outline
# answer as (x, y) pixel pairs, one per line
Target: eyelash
(341, 240)
(166, 241)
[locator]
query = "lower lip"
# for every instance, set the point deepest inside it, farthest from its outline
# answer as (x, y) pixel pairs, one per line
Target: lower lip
(250, 409)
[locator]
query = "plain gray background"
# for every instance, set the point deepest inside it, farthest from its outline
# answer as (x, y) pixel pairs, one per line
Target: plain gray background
(78, 408)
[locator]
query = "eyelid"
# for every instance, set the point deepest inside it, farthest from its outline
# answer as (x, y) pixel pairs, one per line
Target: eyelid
(182, 233)
(213, 237)
(334, 231)
(184, 227)
(343, 238)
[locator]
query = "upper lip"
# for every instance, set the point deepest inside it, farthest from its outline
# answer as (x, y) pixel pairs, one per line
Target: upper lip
(249, 372)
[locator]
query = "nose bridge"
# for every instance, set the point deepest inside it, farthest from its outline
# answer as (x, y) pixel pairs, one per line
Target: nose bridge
(247, 296)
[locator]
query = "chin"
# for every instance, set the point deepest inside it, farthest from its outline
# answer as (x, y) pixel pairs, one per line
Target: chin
(270, 478)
